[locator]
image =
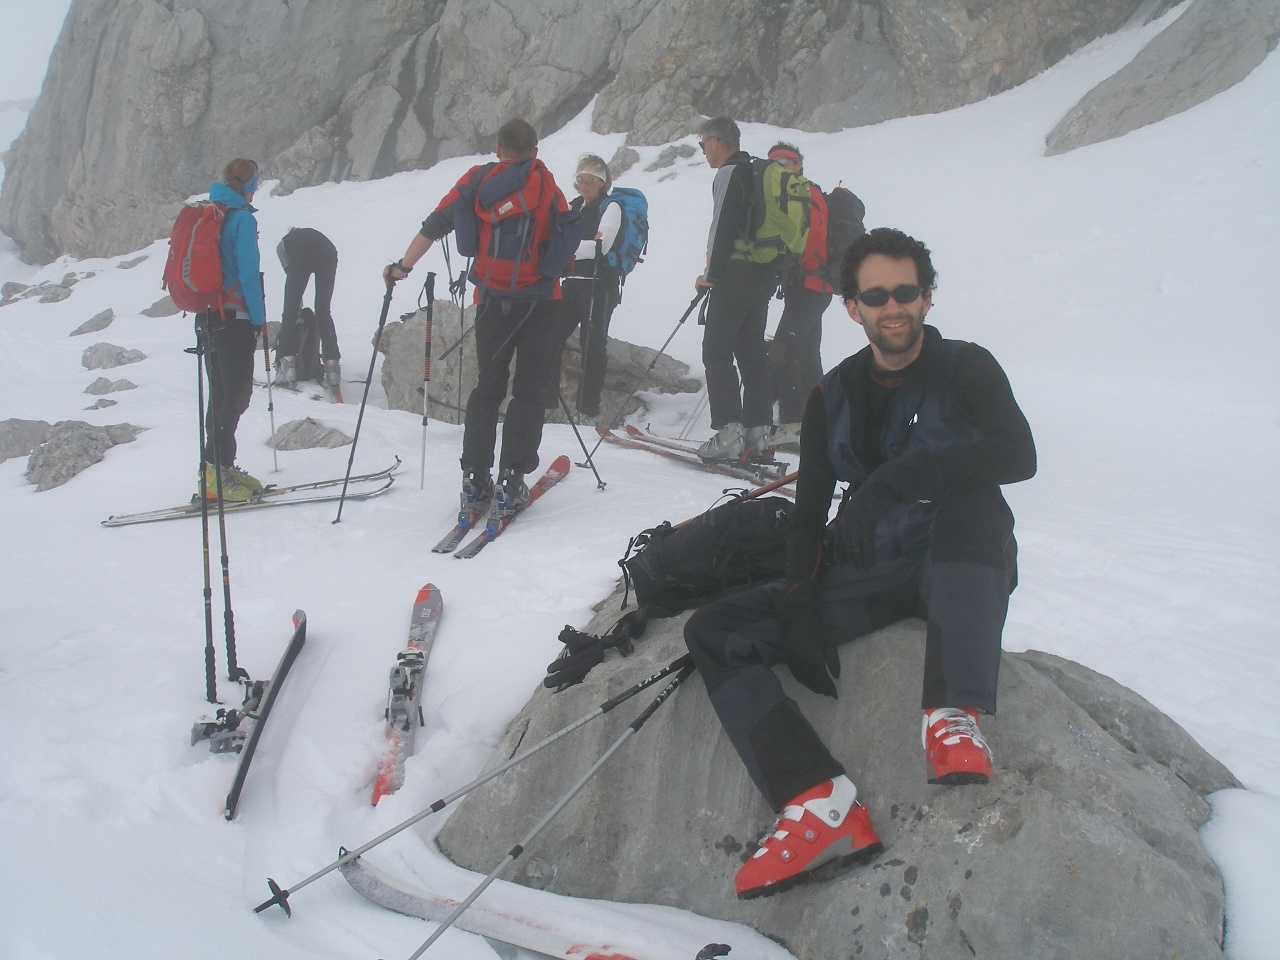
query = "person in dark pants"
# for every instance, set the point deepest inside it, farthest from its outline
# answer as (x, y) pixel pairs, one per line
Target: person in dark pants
(737, 306)
(232, 334)
(592, 289)
(515, 221)
(305, 253)
(795, 354)
(924, 431)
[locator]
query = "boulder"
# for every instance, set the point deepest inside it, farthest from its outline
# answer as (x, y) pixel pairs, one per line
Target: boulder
(1086, 835)
(99, 321)
(164, 307)
(1213, 46)
(103, 385)
(307, 434)
(101, 404)
(19, 437)
(403, 343)
(103, 356)
(72, 446)
(54, 292)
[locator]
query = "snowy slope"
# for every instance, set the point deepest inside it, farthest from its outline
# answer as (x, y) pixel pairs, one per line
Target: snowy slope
(1104, 280)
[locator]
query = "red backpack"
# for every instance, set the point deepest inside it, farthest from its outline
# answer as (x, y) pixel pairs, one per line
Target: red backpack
(193, 272)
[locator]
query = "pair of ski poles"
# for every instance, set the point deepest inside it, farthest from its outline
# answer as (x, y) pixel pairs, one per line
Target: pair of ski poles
(681, 667)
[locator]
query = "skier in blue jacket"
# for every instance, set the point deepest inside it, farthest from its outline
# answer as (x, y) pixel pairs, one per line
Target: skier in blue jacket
(233, 333)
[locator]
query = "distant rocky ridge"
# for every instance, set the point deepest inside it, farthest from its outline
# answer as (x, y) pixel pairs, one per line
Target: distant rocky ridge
(145, 99)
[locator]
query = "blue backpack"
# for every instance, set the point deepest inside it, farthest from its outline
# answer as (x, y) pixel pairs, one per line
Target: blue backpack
(633, 235)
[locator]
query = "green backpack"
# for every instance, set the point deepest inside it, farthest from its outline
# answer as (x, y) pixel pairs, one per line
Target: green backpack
(779, 216)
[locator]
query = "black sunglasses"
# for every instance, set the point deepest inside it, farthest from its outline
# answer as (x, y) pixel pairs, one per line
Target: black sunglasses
(879, 296)
(702, 144)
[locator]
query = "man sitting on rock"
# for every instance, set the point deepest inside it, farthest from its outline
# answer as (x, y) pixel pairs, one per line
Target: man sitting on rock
(923, 431)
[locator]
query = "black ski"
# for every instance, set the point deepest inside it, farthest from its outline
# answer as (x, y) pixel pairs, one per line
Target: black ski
(226, 732)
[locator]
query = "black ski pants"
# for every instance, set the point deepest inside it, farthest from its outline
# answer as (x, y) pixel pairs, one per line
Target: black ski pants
(586, 304)
(960, 585)
(795, 355)
(737, 311)
(229, 355)
(525, 329)
(310, 255)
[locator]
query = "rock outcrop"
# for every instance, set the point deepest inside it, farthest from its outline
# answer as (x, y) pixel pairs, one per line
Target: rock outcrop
(403, 343)
(1086, 836)
(307, 434)
(72, 446)
(146, 99)
(1213, 46)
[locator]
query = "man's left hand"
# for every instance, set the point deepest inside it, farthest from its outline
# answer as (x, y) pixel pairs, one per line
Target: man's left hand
(915, 478)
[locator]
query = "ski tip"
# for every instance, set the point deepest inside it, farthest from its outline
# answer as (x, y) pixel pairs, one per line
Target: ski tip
(299, 619)
(426, 593)
(560, 464)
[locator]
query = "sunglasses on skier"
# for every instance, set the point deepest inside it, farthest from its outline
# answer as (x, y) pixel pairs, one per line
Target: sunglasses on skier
(702, 144)
(586, 179)
(879, 296)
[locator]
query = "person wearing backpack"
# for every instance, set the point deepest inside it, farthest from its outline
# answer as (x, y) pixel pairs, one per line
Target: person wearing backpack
(795, 353)
(741, 276)
(512, 219)
(923, 431)
(233, 331)
(305, 253)
(590, 292)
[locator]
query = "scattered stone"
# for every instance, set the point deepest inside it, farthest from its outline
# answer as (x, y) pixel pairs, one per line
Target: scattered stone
(54, 292)
(402, 344)
(72, 446)
(164, 307)
(130, 264)
(103, 356)
(99, 404)
(103, 385)
(669, 155)
(12, 289)
(19, 437)
(306, 435)
(1087, 833)
(624, 158)
(70, 279)
(99, 321)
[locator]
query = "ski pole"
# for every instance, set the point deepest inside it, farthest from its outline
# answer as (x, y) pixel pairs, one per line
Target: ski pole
(430, 288)
(702, 292)
(266, 366)
(528, 838)
(210, 665)
(586, 331)
(377, 339)
(600, 484)
(281, 896)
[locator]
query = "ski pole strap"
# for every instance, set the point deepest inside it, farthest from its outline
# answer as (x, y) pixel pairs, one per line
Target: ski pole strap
(702, 311)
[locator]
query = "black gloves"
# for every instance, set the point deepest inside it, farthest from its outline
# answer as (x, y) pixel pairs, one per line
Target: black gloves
(581, 652)
(914, 478)
(812, 655)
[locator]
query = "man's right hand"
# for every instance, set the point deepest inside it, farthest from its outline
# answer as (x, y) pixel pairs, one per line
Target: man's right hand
(812, 656)
(394, 273)
(702, 283)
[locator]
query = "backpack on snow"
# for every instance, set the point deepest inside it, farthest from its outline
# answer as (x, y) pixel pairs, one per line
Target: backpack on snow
(778, 220)
(632, 241)
(844, 225)
(308, 363)
(732, 547)
(193, 270)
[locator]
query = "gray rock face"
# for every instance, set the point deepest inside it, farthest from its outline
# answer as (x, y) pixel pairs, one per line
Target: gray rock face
(72, 446)
(365, 90)
(403, 343)
(164, 307)
(103, 356)
(19, 437)
(103, 385)
(1213, 46)
(99, 321)
(1085, 836)
(307, 434)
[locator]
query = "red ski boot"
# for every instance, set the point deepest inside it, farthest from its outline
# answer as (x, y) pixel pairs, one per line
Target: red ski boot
(955, 748)
(821, 825)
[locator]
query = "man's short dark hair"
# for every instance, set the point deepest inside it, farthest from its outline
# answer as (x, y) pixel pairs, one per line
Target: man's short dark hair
(891, 243)
(518, 137)
(724, 130)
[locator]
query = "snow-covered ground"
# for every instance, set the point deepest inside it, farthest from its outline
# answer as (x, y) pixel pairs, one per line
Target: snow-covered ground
(1124, 288)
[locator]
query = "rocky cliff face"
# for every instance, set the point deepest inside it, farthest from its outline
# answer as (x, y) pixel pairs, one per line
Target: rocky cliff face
(145, 99)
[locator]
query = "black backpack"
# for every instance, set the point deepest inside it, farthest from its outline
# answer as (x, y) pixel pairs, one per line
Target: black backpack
(309, 365)
(732, 547)
(844, 225)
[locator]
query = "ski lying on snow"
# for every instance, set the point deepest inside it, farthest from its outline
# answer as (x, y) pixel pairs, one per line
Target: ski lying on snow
(404, 698)
(271, 496)
(757, 474)
(493, 529)
(771, 465)
(539, 933)
(227, 732)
